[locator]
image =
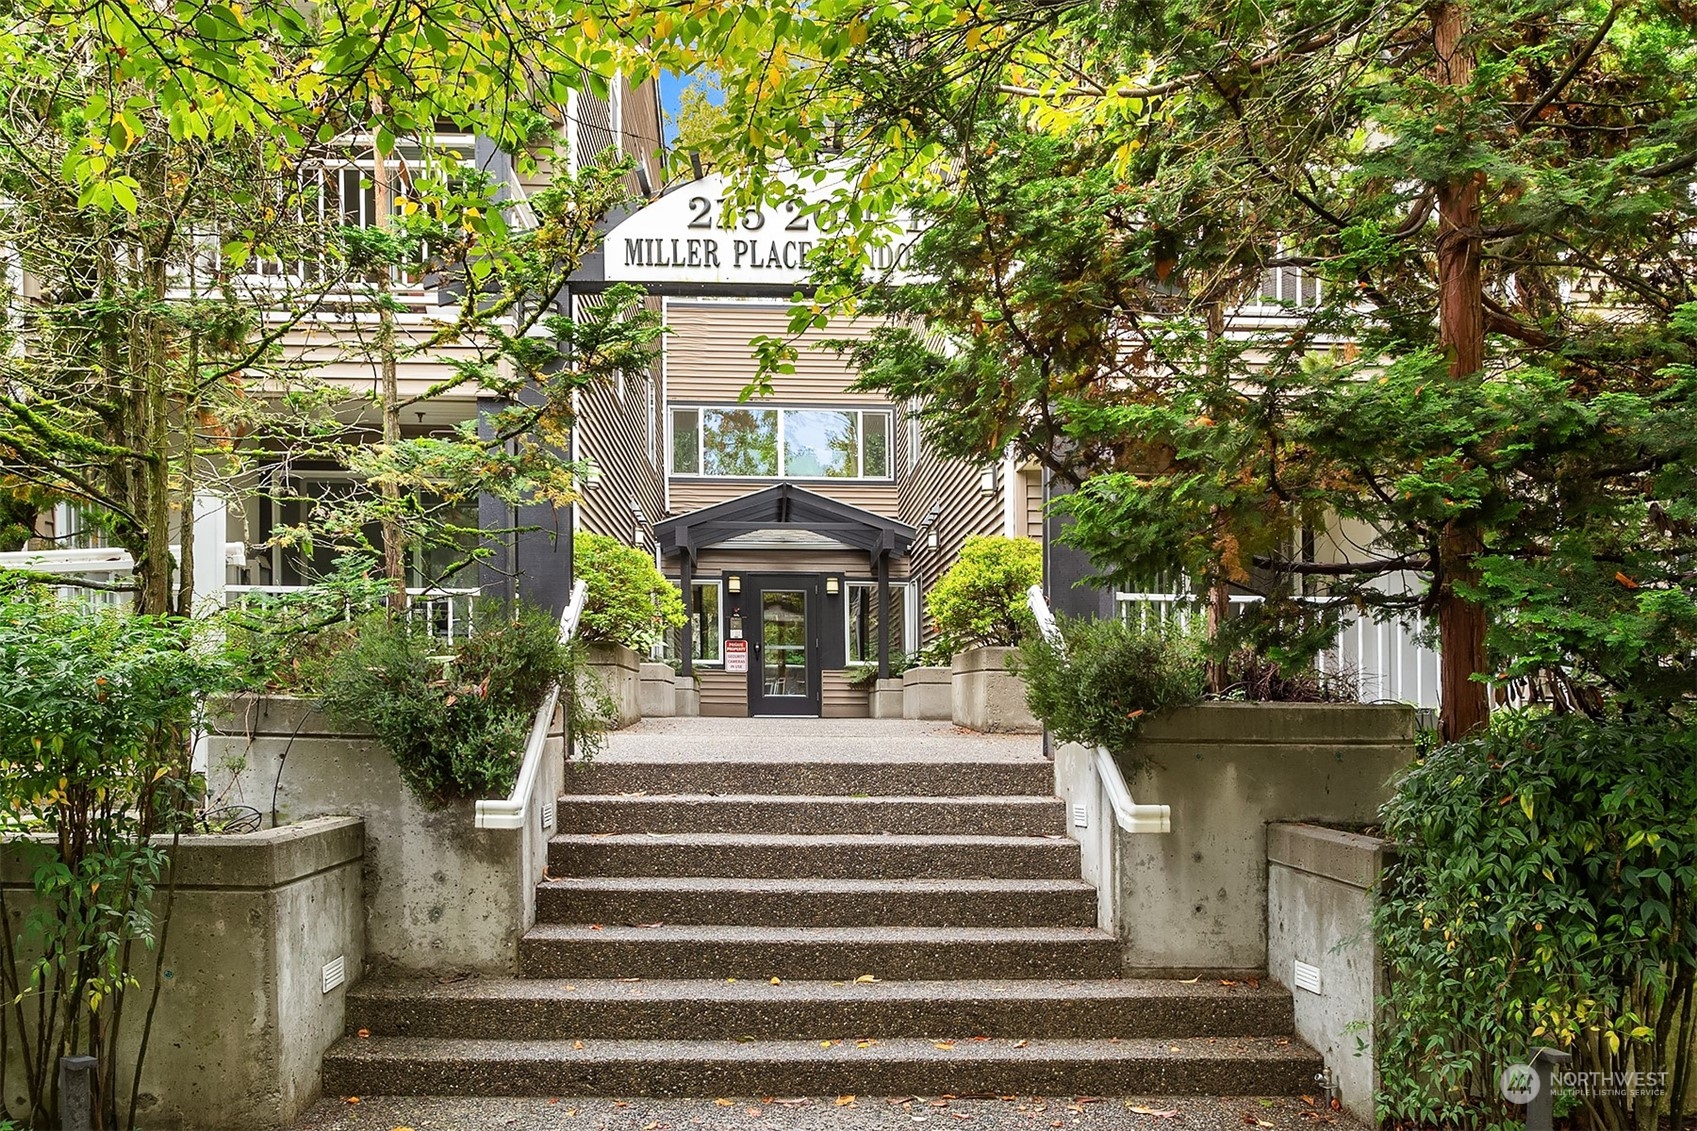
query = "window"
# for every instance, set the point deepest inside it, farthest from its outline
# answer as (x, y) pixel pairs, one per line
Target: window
(1288, 286)
(706, 628)
(765, 443)
(863, 621)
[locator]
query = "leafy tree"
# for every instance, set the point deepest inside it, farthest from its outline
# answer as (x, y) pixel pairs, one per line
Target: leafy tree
(699, 118)
(1492, 197)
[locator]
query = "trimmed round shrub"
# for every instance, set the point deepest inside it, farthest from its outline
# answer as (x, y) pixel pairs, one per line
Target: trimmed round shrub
(630, 602)
(980, 600)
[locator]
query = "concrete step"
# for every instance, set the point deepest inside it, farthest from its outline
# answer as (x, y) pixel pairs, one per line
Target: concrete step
(817, 902)
(795, 773)
(698, 1009)
(845, 856)
(997, 1066)
(559, 950)
(985, 815)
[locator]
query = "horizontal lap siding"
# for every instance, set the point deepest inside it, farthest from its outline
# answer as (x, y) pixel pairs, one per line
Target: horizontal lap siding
(693, 494)
(965, 510)
(613, 433)
(725, 695)
(346, 353)
(709, 358)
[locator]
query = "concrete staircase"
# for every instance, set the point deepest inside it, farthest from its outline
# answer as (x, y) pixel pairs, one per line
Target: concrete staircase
(734, 924)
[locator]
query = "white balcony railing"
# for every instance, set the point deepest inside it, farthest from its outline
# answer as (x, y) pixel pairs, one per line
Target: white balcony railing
(1386, 658)
(446, 611)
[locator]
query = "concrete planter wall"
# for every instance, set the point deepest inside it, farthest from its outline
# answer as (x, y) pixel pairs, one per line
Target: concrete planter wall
(1195, 900)
(243, 1019)
(658, 695)
(989, 697)
(928, 693)
(440, 894)
(620, 671)
(1320, 885)
(885, 699)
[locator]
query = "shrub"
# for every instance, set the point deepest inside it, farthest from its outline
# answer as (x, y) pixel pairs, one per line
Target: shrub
(1545, 894)
(456, 718)
(980, 600)
(98, 709)
(1108, 676)
(630, 602)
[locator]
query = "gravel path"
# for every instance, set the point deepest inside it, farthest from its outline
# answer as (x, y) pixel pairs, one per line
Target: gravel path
(847, 1113)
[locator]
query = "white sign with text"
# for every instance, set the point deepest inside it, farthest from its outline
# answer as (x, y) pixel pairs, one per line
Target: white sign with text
(687, 237)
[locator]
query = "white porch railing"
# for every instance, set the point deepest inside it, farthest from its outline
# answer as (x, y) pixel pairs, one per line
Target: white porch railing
(446, 611)
(513, 811)
(1386, 657)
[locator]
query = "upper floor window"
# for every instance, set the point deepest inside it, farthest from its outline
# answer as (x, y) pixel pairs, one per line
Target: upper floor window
(769, 443)
(1289, 286)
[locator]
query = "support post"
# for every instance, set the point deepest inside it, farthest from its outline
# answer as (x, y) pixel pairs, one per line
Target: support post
(1540, 1110)
(884, 615)
(686, 579)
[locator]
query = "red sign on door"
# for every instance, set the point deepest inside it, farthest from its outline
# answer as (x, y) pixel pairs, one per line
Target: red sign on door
(736, 655)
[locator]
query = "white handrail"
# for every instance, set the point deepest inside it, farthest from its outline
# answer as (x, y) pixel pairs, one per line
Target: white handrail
(1128, 814)
(511, 811)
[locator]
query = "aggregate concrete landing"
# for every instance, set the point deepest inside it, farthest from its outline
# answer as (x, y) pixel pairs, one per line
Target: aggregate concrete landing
(859, 1113)
(729, 740)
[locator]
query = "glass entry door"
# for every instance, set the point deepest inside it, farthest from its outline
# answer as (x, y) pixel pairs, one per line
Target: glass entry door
(783, 672)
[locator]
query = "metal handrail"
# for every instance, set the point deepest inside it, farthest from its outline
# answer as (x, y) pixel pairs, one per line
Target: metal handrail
(1128, 814)
(511, 811)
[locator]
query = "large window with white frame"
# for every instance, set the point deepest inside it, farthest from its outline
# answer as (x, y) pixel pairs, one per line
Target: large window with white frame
(756, 442)
(861, 610)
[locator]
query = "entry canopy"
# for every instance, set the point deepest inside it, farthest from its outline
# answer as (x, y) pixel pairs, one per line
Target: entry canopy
(684, 243)
(785, 506)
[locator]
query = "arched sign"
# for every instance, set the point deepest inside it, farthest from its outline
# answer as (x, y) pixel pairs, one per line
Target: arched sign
(686, 237)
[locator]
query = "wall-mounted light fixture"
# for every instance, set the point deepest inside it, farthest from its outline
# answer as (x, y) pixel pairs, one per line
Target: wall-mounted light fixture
(832, 587)
(591, 477)
(931, 540)
(987, 482)
(733, 583)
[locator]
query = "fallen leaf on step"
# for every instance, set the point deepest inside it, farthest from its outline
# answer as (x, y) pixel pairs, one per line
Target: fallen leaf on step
(595, 926)
(1190, 981)
(630, 979)
(866, 978)
(577, 1045)
(962, 1116)
(729, 980)
(865, 1044)
(845, 1101)
(791, 1103)
(363, 1033)
(1158, 1113)
(1254, 983)
(1309, 1100)
(1227, 982)
(652, 1126)
(723, 1102)
(350, 1099)
(651, 925)
(1075, 1109)
(824, 1044)
(943, 1044)
(777, 981)
(1020, 1044)
(756, 1112)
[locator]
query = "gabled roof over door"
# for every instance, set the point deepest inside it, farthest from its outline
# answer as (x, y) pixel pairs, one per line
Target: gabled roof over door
(783, 507)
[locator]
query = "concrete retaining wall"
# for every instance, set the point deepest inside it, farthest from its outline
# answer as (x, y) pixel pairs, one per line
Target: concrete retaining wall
(885, 699)
(620, 671)
(440, 894)
(989, 697)
(928, 693)
(243, 1019)
(1320, 885)
(1195, 900)
(658, 695)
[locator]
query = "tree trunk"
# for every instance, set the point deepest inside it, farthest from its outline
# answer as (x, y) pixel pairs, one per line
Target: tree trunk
(394, 538)
(1461, 331)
